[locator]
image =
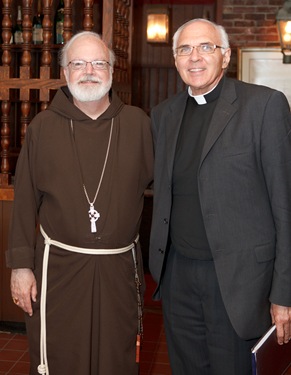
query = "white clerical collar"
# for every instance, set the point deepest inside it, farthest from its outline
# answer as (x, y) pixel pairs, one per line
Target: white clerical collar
(200, 99)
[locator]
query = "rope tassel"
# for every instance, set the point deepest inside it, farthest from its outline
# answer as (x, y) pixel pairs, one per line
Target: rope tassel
(137, 350)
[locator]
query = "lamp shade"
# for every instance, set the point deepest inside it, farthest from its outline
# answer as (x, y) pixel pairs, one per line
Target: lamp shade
(283, 19)
(158, 25)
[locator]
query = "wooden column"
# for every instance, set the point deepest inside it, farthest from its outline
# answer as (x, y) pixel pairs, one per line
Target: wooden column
(25, 69)
(5, 73)
(117, 33)
(88, 15)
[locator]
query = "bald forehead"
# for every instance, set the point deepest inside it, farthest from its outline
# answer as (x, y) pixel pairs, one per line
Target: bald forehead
(88, 45)
(200, 30)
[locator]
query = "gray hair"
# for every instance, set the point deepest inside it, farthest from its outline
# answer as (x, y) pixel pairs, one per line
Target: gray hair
(63, 59)
(220, 29)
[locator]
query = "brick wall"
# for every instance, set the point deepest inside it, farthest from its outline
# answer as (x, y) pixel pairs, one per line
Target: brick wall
(250, 23)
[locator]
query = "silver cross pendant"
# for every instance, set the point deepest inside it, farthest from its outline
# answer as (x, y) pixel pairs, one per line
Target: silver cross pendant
(93, 216)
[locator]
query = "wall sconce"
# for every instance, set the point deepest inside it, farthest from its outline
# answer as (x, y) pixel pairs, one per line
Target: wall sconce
(158, 25)
(283, 19)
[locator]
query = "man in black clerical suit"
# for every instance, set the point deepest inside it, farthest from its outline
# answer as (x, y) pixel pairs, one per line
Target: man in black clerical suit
(220, 246)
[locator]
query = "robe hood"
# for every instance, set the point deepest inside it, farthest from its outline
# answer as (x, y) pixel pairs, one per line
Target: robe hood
(62, 104)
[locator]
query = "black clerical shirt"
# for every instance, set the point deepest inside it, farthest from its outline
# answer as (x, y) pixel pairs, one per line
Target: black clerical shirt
(188, 234)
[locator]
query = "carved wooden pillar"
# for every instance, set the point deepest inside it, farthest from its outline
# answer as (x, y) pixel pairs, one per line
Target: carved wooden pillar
(5, 73)
(88, 15)
(46, 56)
(25, 68)
(117, 33)
(68, 23)
(121, 38)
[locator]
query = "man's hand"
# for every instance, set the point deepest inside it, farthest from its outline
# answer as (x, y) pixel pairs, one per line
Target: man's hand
(281, 316)
(23, 288)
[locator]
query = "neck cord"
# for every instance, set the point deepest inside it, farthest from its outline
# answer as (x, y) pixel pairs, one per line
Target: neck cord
(93, 214)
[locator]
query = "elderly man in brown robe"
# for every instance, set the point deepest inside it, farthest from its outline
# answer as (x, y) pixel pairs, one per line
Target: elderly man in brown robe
(80, 178)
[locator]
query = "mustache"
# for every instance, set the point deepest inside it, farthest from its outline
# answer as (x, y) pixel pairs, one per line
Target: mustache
(90, 78)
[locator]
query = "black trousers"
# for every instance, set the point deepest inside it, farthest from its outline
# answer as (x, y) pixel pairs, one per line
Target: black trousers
(200, 337)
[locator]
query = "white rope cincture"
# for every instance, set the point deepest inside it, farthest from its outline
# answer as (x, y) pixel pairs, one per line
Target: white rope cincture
(43, 367)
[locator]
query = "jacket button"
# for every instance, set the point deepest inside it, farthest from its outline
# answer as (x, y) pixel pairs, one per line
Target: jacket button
(161, 251)
(165, 221)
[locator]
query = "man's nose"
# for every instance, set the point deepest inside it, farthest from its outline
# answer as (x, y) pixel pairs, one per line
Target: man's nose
(89, 67)
(195, 55)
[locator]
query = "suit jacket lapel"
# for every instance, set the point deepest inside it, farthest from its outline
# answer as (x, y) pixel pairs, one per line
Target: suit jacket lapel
(222, 114)
(175, 117)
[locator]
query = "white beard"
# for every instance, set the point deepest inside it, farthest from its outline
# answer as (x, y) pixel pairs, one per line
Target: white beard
(89, 93)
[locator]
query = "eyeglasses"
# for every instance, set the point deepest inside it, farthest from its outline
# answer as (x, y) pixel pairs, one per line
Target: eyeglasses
(82, 64)
(202, 49)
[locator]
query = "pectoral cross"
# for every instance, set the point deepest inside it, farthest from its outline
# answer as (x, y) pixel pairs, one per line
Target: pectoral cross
(93, 216)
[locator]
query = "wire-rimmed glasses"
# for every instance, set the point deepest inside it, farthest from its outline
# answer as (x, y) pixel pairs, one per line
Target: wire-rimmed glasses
(82, 64)
(202, 49)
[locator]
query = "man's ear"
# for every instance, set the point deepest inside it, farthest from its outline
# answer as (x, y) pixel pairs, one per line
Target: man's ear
(226, 58)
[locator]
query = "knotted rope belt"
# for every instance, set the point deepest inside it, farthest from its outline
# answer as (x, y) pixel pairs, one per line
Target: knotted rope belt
(43, 367)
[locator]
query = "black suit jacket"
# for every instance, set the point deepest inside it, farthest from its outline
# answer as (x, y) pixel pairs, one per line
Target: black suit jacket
(244, 181)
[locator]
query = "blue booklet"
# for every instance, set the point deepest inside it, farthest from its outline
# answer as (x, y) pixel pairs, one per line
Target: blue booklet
(270, 358)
